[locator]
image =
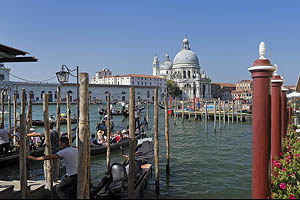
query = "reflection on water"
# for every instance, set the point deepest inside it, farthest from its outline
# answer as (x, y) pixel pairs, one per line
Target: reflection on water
(202, 165)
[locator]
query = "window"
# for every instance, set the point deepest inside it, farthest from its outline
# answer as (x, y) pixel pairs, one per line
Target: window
(184, 74)
(1, 77)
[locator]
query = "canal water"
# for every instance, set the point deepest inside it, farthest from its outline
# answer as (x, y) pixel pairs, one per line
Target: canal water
(202, 165)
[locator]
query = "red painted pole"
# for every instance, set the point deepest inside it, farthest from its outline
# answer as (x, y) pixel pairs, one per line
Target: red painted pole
(261, 73)
(194, 104)
(276, 117)
(283, 112)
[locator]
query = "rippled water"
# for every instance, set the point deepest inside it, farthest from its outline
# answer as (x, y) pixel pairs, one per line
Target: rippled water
(202, 165)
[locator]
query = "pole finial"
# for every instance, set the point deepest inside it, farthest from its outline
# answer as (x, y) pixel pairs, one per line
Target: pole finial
(262, 50)
(276, 70)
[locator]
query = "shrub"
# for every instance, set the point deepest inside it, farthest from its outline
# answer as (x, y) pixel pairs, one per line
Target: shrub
(285, 178)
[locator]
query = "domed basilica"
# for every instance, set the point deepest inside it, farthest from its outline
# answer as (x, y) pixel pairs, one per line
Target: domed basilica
(185, 71)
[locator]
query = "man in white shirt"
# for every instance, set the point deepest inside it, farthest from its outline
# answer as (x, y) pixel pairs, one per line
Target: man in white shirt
(4, 141)
(70, 157)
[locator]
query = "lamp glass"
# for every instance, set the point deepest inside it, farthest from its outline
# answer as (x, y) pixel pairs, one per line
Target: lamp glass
(62, 76)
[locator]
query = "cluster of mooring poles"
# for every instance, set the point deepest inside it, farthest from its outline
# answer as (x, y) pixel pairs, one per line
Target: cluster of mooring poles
(232, 111)
(269, 121)
(25, 125)
(84, 171)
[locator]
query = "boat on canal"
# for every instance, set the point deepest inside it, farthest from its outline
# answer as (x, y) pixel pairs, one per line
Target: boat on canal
(101, 149)
(13, 158)
(115, 185)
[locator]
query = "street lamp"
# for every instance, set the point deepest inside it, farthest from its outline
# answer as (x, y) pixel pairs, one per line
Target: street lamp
(63, 77)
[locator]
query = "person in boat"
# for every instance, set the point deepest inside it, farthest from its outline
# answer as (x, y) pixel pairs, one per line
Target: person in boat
(137, 115)
(93, 140)
(54, 138)
(144, 124)
(119, 136)
(124, 133)
(4, 141)
(101, 138)
(69, 155)
(35, 139)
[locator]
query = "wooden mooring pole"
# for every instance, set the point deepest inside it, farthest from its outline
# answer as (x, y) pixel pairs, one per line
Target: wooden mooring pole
(156, 143)
(228, 112)
(167, 137)
(182, 110)
(232, 111)
(23, 149)
(148, 110)
(2, 108)
(29, 113)
(205, 120)
(108, 132)
(9, 117)
(132, 144)
(69, 119)
(215, 117)
(175, 104)
(83, 182)
(58, 111)
(219, 107)
(48, 151)
(15, 117)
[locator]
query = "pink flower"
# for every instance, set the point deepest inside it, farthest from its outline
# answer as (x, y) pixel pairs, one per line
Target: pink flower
(292, 197)
(284, 169)
(281, 153)
(282, 186)
(288, 157)
(297, 155)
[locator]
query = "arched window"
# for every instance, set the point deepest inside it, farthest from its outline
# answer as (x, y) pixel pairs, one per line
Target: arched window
(42, 93)
(184, 74)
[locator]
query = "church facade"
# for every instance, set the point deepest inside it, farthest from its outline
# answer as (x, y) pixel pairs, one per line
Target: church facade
(185, 72)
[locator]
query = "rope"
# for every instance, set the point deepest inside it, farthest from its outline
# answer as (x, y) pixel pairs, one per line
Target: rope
(26, 79)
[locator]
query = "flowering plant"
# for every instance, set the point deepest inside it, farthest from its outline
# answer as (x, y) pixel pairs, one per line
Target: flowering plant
(286, 171)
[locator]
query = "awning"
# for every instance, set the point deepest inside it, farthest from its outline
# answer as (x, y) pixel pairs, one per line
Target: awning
(10, 54)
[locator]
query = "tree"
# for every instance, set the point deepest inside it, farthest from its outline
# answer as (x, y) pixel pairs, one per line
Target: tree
(173, 89)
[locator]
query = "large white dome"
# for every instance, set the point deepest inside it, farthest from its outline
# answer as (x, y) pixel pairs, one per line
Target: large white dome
(186, 57)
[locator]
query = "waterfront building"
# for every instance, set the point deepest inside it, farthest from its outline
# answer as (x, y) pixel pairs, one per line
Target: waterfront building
(136, 80)
(185, 72)
(222, 90)
(144, 89)
(243, 91)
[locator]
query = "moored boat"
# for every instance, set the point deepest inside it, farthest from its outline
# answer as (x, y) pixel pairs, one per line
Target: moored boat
(115, 185)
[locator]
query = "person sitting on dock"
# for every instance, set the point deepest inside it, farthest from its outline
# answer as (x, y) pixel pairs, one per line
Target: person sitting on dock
(70, 157)
(4, 141)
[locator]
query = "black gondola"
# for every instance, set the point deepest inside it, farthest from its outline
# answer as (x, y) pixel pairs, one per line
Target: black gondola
(14, 157)
(115, 185)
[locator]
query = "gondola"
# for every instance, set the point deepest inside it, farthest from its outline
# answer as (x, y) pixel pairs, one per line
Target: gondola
(62, 121)
(125, 113)
(115, 185)
(14, 157)
(101, 149)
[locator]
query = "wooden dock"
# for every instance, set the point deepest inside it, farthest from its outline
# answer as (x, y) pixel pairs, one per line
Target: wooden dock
(36, 189)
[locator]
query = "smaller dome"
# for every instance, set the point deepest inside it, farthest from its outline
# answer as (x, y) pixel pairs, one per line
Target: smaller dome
(166, 64)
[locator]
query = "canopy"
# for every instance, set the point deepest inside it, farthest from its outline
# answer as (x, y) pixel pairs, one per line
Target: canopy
(293, 94)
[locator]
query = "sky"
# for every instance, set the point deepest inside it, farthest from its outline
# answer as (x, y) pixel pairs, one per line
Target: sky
(124, 36)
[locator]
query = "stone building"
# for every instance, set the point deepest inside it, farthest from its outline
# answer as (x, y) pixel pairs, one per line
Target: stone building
(222, 90)
(243, 91)
(185, 71)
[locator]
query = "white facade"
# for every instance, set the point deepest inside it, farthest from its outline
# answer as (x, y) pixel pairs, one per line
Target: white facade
(144, 89)
(185, 71)
(134, 80)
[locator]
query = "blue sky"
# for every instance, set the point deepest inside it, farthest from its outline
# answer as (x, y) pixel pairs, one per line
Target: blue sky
(124, 36)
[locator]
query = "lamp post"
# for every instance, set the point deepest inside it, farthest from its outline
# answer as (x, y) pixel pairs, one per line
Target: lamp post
(63, 77)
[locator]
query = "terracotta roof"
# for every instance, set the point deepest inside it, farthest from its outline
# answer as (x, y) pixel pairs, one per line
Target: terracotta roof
(225, 84)
(245, 81)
